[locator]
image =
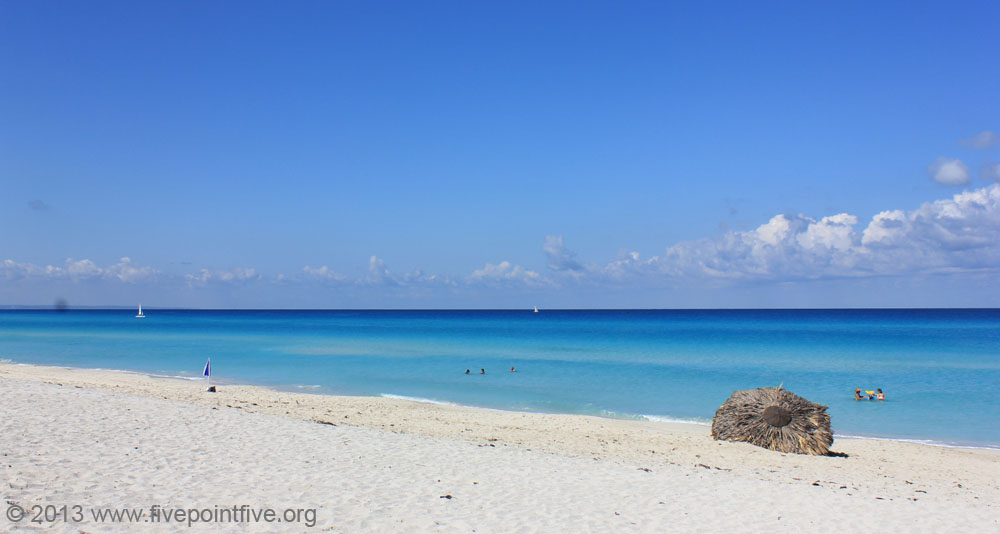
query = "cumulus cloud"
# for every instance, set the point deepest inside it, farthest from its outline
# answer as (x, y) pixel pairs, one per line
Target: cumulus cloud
(321, 273)
(558, 256)
(886, 229)
(983, 139)
(834, 232)
(960, 233)
(949, 171)
(12, 270)
(969, 220)
(76, 270)
(505, 273)
(956, 234)
(794, 245)
(378, 274)
(82, 269)
(128, 271)
(627, 264)
(234, 276)
(418, 276)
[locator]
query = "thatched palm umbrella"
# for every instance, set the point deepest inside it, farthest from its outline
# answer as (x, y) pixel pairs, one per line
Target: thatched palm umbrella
(774, 419)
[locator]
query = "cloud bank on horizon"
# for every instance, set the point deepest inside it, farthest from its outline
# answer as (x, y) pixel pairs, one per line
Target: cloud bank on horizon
(953, 235)
(960, 234)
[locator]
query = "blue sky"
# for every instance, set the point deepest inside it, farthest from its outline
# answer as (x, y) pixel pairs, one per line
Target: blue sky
(335, 154)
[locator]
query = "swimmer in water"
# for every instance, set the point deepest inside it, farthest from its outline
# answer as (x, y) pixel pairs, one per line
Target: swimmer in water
(512, 369)
(482, 371)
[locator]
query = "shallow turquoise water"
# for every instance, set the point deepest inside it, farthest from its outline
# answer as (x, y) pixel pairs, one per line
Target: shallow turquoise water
(940, 369)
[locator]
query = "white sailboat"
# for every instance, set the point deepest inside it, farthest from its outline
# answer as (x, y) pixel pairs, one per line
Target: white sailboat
(140, 312)
(536, 309)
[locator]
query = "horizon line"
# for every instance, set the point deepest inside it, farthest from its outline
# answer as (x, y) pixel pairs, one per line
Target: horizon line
(51, 307)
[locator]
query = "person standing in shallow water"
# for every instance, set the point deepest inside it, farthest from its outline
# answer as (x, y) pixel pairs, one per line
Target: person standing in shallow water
(880, 395)
(466, 371)
(482, 371)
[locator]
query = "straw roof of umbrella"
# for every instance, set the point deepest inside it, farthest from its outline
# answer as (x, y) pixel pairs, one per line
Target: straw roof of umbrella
(775, 419)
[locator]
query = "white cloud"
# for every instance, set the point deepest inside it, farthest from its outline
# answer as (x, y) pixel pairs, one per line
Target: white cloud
(949, 171)
(627, 264)
(417, 276)
(128, 271)
(775, 231)
(12, 270)
(830, 232)
(956, 234)
(82, 269)
(960, 233)
(378, 274)
(505, 273)
(322, 273)
(234, 276)
(76, 270)
(968, 220)
(887, 228)
(559, 257)
(776, 246)
(983, 139)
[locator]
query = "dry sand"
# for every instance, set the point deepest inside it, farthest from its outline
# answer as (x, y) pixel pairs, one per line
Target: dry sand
(107, 439)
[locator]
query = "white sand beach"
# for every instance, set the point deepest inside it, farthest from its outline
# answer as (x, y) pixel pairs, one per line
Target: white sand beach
(106, 439)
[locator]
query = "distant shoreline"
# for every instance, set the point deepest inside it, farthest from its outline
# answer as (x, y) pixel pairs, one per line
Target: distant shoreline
(51, 307)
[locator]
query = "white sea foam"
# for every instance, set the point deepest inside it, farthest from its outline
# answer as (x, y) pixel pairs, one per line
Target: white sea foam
(308, 386)
(141, 373)
(156, 375)
(416, 399)
(175, 376)
(932, 443)
(668, 419)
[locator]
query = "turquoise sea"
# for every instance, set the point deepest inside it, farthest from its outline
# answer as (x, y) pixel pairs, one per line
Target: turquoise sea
(940, 369)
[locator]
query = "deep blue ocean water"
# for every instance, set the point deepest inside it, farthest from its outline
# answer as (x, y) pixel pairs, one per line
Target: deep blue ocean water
(940, 369)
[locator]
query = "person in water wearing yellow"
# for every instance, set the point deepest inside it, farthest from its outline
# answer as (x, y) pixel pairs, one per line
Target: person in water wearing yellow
(869, 394)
